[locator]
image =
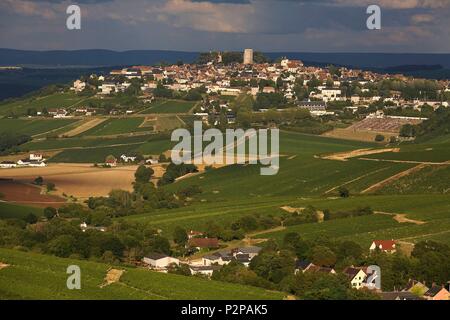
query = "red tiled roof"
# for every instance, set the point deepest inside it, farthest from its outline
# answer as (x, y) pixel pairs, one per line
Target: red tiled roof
(385, 244)
(204, 242)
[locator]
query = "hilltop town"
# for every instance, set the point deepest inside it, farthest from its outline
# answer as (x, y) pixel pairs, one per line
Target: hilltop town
(87, 175)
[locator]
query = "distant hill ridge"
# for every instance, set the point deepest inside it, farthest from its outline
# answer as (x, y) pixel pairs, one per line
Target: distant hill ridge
(100, 57)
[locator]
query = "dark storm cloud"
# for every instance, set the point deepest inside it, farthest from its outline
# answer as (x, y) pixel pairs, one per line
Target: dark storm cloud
(272, 25)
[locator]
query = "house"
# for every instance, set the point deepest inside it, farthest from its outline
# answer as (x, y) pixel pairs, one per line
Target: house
(194, 234)
(79, 86)
(316, 108)
(36, 156)
(416, 287)
(242, 255)
(306, 266)
(268, 90)
(84, 226)
(204, 270)
(437, 293)
(159, 261)
(252, 251)
(151, 161)
(111, 162)
(383, 245)
(217, 258)
(204, 243)
(34, 163)
(7, 164)
(126, 158)
(357, 276)
(399, 295)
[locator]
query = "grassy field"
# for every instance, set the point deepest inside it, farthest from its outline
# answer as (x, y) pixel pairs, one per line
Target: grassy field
(8, 211)
(34, 276)
(116, 126)
(33, 126)
(169, 106)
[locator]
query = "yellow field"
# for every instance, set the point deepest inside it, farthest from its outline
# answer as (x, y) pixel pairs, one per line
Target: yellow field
(80, 180)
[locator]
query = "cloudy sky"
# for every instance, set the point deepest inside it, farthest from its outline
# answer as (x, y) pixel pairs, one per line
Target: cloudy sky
(198, 25)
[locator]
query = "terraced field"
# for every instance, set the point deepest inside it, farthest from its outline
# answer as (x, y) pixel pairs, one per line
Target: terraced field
(27, 275)
(116, 126)
(33, 126)
(169, 106)
(96, 150)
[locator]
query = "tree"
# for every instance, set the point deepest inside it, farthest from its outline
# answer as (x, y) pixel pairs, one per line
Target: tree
(39, 181)
(379, 138)
(50, 212)
(51, 186)
(143, 174)
(323, 256)
(180, 236)
(62, 246)
(343, 192)
(31, 218)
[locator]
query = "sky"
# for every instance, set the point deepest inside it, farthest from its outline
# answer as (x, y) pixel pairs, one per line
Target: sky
(418, 26)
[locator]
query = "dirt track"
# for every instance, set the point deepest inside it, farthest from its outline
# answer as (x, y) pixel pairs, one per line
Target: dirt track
(397, 176)
(343, 156)
(84, 127)
(3, 265)
(401, 218)
(112, 276)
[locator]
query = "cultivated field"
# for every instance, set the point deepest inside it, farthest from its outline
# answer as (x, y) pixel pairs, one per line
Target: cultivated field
(33, 126)
(169, 106)
(22, 192)
(78, 180)
(116, 126)
(56, 100)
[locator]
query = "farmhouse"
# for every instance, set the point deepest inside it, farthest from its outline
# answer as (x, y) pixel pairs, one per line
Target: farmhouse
(159, 261)
(7, 164)
(383, 245)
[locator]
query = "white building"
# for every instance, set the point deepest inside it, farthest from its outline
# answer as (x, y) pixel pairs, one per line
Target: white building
(7, 164)
(79, 86)
(159, 261)
(36, 156)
